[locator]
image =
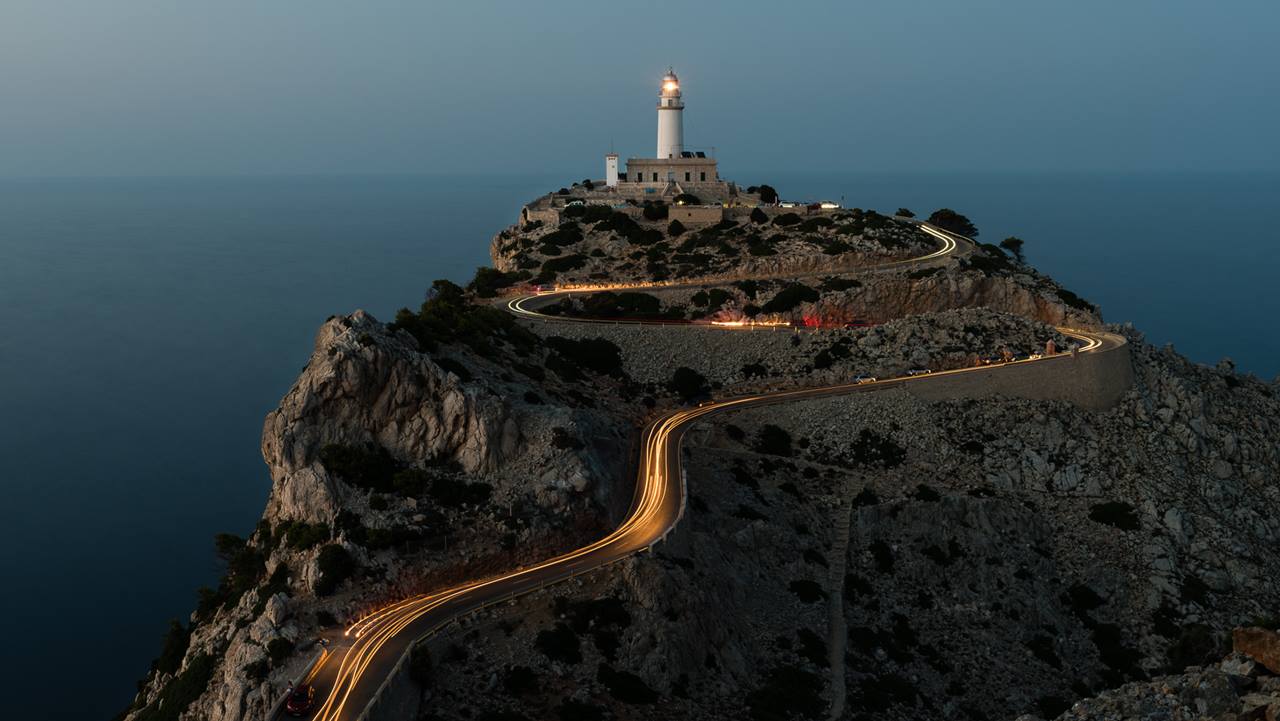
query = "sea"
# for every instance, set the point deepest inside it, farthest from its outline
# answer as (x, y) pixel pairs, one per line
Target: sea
(148, 326)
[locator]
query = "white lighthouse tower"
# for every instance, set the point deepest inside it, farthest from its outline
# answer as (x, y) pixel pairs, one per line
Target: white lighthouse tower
(670, 117)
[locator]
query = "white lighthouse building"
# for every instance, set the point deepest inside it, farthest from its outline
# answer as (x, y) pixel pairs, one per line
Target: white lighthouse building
(674, 169)
(670, 117)
(686, 182)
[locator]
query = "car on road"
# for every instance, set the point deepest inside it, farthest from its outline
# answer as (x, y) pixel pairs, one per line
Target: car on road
(301, 700)
(919, 372)
(860, 379)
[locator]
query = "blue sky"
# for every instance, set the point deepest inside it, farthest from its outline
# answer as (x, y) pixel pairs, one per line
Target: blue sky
(146, 87)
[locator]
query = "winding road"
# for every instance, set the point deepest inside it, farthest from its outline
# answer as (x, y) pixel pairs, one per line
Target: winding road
(352, 673)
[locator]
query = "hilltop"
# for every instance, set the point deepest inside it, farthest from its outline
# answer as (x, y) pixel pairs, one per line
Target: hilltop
(893, 554)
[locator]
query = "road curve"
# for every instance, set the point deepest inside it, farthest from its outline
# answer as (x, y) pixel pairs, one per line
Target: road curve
(351, 674)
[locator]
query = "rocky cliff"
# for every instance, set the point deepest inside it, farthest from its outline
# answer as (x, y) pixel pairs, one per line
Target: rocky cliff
(413, 469)
(876, 556)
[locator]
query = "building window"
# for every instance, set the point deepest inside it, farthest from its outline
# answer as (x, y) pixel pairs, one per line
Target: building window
(703, 176)
(655, 177)
(686, 177)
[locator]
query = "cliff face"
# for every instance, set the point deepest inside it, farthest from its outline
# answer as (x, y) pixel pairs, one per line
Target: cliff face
(366, 385)
(497, 476)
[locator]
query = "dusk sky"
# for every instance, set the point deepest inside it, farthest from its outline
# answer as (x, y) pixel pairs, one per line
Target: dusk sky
(161, 87)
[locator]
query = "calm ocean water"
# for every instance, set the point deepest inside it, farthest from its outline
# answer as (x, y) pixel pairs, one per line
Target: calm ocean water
(149, 325)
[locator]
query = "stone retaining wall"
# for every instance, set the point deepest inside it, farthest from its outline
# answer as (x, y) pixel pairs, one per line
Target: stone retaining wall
(1094, 381)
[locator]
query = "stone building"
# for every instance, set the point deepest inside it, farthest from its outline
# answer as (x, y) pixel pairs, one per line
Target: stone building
(674, 171)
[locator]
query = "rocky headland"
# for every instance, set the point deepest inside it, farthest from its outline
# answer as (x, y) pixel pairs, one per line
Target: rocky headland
(875, 556)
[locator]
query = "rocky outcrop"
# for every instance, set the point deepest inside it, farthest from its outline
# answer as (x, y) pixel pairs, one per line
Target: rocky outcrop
(903, 296)
(1260, 644)
(1234, 690)
(364, 384)
(548, 475)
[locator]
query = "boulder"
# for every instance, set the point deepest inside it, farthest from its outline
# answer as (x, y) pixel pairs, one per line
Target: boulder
(1260, 644)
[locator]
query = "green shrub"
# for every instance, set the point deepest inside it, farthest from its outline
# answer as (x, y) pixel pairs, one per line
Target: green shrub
(411, 481)
(812, 648)
(686, 199)
(873, 449)
(774, 441)
(768, 194)
(519, 680)
(625, 686)
(368, 466)
(567, 234)
(447, 316)
(279, 649)
(880, 693)
(904, 213)
(883, 556)
(760, 247)
(245, 566)
(1042, 648)
(790, 297)
(655, 211)
(1115, 513)
(627, 304)
(563, 440)
(675, 229)
(815, 223)
(787, 693)
(1014, 246)
(452, 366)
(574, 710)
(948, 219)
(758, 216)
(300, 535)
(990, 260)
(452, 492)
(551, 266)
(1075, 301)
(174, 648)
(806, 590)
(257, 670)
(182, 691)
(1196, 645)
(599, 355)
(336, 566)
(840, 284)
(688, 384)
(786, 219)
(488, 281)
(559, 644)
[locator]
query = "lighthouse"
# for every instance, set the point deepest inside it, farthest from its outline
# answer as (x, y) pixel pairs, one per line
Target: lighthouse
(670, 117)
